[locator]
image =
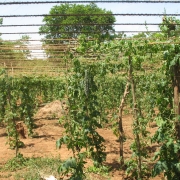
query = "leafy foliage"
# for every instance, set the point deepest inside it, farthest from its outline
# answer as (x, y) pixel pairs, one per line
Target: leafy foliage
(71, 21)
(93, 91)
(19, 100)
(17, 50)
(166, 157)
(82, 120)
(76, 24)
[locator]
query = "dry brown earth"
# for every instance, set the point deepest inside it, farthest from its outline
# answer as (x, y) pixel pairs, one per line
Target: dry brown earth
(50, 130)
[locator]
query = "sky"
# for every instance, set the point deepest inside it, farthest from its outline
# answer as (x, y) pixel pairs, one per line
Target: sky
(125, 8)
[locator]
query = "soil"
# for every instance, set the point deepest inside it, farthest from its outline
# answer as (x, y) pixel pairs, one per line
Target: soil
(49, 130)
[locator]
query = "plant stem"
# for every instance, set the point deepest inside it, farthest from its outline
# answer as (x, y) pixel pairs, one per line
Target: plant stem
(121, 132)
(176, 86)
(135, 112)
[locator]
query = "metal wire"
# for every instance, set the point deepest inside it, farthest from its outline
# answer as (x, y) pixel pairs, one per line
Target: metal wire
(97, 1)
(97, 24)
(61, 49)
(75, 39)
(42, 40)
(79, 32)
(116, 14)
(39, 50)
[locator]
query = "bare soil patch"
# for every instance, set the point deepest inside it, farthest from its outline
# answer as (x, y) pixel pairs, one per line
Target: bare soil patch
(49, 131)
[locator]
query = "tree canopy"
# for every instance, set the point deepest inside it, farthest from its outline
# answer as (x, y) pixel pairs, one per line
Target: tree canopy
(1, 20)
(64, 26)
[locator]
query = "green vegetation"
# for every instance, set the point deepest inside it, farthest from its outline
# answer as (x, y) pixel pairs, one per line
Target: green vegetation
(64, 26)
(16, 50)
(19, 100)
(136, 75)
(39, 168)
(73, 26)
(31, 168)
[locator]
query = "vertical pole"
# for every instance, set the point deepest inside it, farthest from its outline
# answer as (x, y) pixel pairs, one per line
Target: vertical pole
(136, 121)
(176, 86)
(121, 131)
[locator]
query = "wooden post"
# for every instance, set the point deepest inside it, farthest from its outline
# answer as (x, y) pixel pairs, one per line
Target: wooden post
(121, 132)
(12, 70)
(176, 86)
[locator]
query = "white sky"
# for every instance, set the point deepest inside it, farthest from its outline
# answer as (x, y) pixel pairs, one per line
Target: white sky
(114, 7)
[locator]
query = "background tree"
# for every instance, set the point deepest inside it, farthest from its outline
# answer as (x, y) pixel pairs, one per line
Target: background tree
(168, 155)
(10, 51)
(72, 26)
(1, 21)
(140, 35)
(170, 26)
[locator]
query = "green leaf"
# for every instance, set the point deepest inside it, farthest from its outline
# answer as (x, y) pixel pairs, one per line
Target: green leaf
(159, 121)
(178, 166)
(70, 163)
(157, 169)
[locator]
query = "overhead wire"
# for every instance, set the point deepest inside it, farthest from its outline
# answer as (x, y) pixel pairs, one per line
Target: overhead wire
(104, 14)
(97, 1)
(86, 32)
(89, 24)
(61, 48)
(73, 39)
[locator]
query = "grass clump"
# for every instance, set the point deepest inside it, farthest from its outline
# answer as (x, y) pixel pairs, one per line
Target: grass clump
(31, 168)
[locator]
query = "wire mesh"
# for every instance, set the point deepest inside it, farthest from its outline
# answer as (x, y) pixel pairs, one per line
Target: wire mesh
(35, 58)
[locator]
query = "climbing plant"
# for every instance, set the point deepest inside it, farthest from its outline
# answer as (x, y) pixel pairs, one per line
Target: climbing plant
(82, 121)
(19, 102)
